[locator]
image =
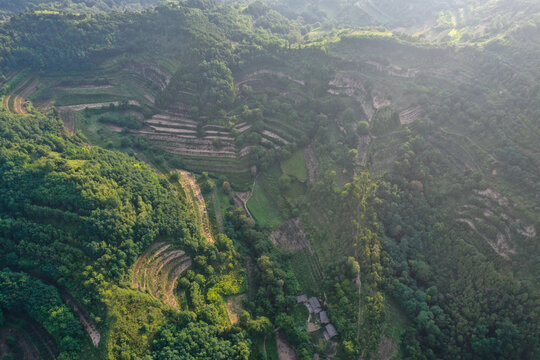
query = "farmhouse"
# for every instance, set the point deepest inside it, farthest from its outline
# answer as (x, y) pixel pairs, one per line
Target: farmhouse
(323, 316)
(314, 305)
(329, 331)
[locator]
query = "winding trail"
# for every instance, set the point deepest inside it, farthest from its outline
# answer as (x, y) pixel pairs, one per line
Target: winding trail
(88, 325)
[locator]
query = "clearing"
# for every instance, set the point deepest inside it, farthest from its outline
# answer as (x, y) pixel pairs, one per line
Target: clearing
(284, 349)
(234, 306)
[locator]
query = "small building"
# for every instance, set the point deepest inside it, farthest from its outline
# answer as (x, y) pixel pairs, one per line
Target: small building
(323, 316)
(301, 299)
(315, 305)
(329, 331)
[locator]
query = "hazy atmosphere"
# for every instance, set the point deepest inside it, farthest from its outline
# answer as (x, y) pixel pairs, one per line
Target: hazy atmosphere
(269, 180)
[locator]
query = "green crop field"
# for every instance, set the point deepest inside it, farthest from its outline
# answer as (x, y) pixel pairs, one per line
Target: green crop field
(295, 166)
(263, 207)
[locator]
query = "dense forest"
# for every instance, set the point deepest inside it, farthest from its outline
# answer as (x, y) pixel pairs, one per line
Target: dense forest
(249, 180)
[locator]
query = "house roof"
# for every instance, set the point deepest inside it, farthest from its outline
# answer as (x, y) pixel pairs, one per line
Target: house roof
(301, 298)
(331, 330)
(324, 317)
(315, 304)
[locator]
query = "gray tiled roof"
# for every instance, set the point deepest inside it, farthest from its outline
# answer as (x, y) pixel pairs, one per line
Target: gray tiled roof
(331, 330)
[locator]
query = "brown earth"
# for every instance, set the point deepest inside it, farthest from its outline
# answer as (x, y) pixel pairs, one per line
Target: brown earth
(312, 164)
(290, 236)
(234, 306)
(284, 349)
(387, 349)
(87, 323)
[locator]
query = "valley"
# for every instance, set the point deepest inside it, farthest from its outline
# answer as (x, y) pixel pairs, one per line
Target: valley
(175, 176)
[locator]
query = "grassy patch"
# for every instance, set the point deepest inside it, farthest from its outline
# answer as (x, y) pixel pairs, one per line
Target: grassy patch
(306, 270)
(271, 347)
(300, 314)
(395, 323)
(134, 319)
(263, 208)
(295, 166)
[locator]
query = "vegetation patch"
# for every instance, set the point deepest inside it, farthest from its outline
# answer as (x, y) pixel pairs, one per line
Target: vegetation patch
(263, 208)
(295, 166)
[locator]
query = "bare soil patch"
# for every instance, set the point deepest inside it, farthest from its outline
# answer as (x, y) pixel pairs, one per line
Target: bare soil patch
(312, 164)
(87, 323)
(234, 306)
(387, 349)
(380, 100)
(284, 349)
(290, 236)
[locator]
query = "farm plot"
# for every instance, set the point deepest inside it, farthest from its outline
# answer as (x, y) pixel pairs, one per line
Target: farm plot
(175, 132)
(23, 87)
(290, 236)
(295, 166)
(254, 76)
(197, 204)
(157, 271)
(494, 218)
(263, 207)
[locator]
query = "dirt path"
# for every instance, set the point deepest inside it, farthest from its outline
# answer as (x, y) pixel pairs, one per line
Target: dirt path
(88, 325)
(99, 105)
(359, 283)
(312, 164)
(242, 198)
(249, 77)
(20, 98)
(190, 186)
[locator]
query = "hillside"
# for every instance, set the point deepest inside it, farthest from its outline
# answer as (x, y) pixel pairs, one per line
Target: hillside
(9, 8)
(175, 178)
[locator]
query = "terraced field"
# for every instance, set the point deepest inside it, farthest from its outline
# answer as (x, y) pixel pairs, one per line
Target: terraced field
(197, 204)
(23, 87)
(157, 271)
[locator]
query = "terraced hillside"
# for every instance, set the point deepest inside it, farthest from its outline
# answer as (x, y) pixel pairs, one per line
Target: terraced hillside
(157, 271)
(197, 204)
(18, 88)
